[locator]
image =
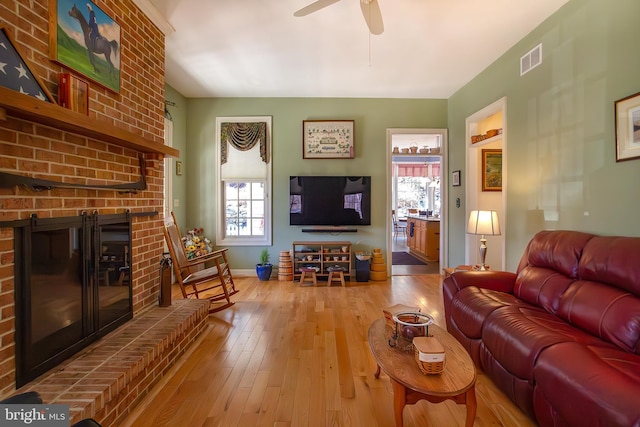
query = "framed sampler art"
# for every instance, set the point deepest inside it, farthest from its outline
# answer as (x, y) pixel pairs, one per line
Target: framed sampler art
(86, 40)
(491, 170)
(628, 128)
(327, 139)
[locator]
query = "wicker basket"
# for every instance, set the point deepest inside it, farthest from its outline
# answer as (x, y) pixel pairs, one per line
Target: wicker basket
(429, 355)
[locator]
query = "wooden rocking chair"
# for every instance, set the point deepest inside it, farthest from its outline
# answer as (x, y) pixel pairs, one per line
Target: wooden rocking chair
(197, 281)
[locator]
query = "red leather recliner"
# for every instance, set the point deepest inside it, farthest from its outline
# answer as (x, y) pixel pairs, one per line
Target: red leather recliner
(561, 336)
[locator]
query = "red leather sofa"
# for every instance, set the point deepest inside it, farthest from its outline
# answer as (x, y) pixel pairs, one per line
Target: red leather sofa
(561, 335)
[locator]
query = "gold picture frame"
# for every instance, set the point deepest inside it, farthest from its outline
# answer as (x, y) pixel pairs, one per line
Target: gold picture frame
(491, 169)
(328, 139)
(627, 114)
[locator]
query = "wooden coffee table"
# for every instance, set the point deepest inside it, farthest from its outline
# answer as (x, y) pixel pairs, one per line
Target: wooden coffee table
(410, 385)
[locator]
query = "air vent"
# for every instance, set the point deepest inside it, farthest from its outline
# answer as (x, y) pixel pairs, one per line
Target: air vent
(531, 60)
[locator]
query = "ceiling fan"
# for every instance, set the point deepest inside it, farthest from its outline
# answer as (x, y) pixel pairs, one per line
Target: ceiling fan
(370, 12)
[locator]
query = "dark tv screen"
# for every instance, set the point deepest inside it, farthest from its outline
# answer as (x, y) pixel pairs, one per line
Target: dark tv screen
(330, 200)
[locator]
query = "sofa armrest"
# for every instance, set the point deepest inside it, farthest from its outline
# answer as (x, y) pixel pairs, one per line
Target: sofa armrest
(496, 280)
(502, 281)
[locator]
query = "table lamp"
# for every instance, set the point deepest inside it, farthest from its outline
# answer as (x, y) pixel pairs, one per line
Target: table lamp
(484, 223)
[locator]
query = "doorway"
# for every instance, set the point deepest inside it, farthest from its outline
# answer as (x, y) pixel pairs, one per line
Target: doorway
(416, 184)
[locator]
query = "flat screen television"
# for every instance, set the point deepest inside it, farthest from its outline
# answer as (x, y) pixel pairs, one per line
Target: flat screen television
(330, 200)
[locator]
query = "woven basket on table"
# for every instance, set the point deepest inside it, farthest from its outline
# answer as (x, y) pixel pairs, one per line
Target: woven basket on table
(429, 355)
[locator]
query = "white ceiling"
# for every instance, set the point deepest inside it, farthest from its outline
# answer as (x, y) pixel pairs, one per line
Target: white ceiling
(257, 48)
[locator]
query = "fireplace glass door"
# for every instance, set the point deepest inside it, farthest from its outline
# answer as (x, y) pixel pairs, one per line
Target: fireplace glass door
(73, 286)
(114, 278)
(56, 298)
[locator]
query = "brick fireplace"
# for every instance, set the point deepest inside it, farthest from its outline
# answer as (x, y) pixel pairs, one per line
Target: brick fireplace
(36, 149)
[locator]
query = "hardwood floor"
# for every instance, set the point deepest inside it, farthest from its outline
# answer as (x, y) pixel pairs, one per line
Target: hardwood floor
(286, 355)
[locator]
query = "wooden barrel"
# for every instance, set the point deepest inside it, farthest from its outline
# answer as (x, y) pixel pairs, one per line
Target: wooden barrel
(378, 267)
(285, 267)
(378, 275)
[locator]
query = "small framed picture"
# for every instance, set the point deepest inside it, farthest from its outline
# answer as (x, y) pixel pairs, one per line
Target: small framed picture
(491, 170)
(178, 168)
(628, 128)
(455, 178)
(327, 139)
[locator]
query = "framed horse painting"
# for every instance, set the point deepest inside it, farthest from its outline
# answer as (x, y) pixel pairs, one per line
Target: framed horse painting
(86, 40)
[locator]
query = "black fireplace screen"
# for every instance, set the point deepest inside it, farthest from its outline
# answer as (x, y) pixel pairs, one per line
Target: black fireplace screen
(73, 285)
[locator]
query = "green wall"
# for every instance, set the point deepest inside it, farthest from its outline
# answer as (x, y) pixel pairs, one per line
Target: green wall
(560, 149)
(179, 117)
(372, 118)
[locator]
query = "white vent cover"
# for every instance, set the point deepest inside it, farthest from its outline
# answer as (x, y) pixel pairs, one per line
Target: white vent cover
(531, 60)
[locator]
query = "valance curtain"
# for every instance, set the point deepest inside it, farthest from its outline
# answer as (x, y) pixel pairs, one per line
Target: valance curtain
(243, 136)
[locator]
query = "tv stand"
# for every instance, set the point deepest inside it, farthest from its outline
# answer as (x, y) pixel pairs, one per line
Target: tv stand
(330, 230)
(322, 255)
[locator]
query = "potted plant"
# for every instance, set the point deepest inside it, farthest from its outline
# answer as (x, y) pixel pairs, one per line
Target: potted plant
(263, 270)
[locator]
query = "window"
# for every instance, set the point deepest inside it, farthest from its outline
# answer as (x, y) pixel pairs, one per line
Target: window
(244, 202)
(418, 193)
(243, 146)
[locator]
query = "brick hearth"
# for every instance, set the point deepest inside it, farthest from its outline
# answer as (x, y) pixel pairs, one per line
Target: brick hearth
(39, 150)
(107, 379)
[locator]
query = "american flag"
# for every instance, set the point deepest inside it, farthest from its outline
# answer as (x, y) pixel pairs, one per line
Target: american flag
(14, 73)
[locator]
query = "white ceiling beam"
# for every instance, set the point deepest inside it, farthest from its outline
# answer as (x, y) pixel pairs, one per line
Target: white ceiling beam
(156, 17)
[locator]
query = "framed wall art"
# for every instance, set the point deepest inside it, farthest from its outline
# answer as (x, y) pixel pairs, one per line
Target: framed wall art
(491, 170)
(86, 40)
(328, 139)
(15, 73)
(455, 178)
(627, 112)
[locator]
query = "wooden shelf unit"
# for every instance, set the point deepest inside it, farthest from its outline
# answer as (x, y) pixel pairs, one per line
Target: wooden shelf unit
(319, 253)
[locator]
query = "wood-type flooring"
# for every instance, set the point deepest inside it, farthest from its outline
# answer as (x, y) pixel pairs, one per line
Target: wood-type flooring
(286, 355)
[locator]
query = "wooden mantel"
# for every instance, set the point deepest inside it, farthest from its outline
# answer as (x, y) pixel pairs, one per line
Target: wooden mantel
(26, 107)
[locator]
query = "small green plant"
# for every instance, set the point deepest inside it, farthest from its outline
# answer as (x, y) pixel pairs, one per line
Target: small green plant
(264, 256)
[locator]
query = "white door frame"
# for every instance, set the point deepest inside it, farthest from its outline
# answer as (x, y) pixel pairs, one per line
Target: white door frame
(168, 170)
(168, 178)
(444, 190)
(475, 198)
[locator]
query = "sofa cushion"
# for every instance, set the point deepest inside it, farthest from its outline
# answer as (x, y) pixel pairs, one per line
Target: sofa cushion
(612, 260)
(603, 311)
(471, 306)
(588, 385)
(541, 287)
(548, 266)
(556, 250)
(515, 335)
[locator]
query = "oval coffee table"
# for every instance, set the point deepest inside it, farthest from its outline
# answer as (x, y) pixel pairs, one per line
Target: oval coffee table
(410, 385)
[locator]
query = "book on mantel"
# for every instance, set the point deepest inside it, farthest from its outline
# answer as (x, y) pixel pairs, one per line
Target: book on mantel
(73, 93)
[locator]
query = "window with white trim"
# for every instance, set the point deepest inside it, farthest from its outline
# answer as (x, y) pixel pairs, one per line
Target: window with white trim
(243, 146)
(244, 204)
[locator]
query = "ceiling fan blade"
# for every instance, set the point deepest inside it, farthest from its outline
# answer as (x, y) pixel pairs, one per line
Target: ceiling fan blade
(313, 7)
(372, 16)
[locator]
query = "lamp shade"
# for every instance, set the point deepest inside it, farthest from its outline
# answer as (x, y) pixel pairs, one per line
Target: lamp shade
(484, 223)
